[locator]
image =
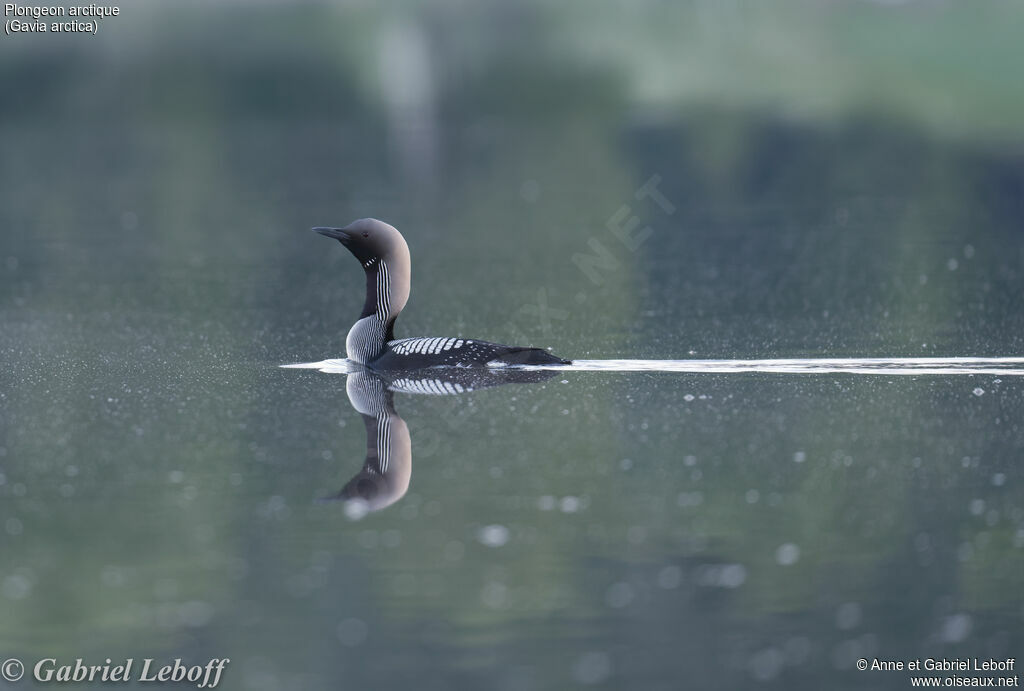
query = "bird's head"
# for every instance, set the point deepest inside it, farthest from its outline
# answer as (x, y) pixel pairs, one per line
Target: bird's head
(370, 241)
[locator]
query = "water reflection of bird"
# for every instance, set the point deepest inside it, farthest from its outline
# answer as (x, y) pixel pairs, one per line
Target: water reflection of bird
(384, 477)
(382, 251)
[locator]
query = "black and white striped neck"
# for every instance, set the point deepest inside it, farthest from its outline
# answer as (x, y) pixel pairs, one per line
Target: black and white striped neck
(378, 289)
(369, 336)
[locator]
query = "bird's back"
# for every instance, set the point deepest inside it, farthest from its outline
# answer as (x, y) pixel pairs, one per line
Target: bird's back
(420, 353)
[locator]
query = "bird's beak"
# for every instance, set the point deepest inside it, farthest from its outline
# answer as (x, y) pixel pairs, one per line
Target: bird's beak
(336, 233)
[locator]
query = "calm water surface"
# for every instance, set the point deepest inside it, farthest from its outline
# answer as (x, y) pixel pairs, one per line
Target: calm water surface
(162, 478)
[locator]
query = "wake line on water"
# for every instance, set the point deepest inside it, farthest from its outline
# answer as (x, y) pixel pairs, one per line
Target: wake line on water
(1003, 366)
(1006, 366)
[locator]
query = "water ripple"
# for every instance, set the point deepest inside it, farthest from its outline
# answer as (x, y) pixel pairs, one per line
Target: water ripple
(1003, 366)
(1009, 366)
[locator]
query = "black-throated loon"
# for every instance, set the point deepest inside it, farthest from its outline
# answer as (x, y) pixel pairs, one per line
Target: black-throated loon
(382, 251)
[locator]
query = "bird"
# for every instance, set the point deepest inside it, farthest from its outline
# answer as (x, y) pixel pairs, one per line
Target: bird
(384, 256)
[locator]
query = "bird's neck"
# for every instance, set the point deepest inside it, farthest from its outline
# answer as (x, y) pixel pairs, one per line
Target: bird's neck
(385, 298)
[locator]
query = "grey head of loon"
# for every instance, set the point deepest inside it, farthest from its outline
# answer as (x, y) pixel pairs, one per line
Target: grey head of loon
(384, 255)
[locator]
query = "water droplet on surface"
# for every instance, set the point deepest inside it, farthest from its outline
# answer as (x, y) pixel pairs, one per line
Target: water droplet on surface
(731, 576)
(493, 535)
(766, 664)
(592, 668)
(356, 509)
(787, 554)
(956, 628)
(17, 587)
(530, 191)
(13, 526)
(570, 504)
(848, 616)
(129, 220)
(352, 632)
(722, 575)
(618, 595)
(978, 391)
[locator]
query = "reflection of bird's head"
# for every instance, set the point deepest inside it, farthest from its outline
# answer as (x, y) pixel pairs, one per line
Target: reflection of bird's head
(376, 491)
(366, 486)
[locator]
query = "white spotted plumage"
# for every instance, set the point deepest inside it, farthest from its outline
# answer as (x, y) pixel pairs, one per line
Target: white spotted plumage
(425, 346)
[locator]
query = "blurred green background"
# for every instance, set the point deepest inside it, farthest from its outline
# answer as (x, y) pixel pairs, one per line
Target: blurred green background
(844, 179)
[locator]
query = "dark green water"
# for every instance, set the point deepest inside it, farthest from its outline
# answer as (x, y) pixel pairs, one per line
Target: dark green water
(160, 474)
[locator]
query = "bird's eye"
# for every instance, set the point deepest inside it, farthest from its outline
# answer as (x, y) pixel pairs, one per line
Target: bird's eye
(366, 234)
